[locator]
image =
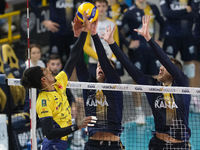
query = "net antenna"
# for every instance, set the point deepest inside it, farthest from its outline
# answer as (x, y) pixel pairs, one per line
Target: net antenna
(32, 95)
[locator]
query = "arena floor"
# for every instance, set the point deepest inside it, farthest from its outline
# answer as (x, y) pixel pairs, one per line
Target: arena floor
(138, 136)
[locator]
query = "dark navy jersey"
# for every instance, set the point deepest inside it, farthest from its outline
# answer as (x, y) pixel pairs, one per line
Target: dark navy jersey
(107, 106)
(178, 128)
(61, 12)
(178, 21)
(196, 7)
(133, 18)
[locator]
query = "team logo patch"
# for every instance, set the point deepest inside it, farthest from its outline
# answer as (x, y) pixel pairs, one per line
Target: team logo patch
(60, 86)
(44, 102)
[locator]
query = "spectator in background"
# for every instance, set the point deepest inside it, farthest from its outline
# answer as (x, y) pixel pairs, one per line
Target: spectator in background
(195, 99)
(178, 34)
(103, 22)
(116, 12)
(196, 34)
(140, 53)
(61, 15)
(35, 56)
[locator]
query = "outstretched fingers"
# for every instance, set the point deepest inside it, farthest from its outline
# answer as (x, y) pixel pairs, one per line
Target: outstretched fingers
(91, 120)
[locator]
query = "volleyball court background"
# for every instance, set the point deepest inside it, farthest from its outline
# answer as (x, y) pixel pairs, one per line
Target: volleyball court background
(134, 137)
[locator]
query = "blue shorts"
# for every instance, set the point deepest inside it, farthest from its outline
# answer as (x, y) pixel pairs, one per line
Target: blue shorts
(103, 145)
(53, 144)
(144, 59)
(157, 144)
(185, 44)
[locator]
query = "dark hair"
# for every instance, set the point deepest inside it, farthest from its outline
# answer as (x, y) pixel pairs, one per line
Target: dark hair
(54, 56)
(100, 1)
(176, 62)
(32, 78)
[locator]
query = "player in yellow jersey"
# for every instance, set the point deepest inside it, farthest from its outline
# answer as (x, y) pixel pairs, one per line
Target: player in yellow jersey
(52, 106)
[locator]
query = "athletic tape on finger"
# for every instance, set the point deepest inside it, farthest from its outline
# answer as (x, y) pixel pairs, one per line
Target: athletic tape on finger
(94, 117)
(93, 121)
(90, 125)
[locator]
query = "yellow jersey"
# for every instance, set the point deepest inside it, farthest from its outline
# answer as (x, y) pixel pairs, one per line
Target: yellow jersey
(55, 104)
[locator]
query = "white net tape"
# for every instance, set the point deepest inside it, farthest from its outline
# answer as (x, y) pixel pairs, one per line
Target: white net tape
(124, 87)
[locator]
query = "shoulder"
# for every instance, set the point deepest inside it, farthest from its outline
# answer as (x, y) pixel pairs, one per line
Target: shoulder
(152, 5)
(124, 7)
(110, 21)
(41, 63)
(44, 98)
(62, 74)
(132, 7)
(62, 78)
(44, 95)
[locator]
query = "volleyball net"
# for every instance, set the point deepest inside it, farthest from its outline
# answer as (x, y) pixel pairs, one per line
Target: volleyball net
(137, 119)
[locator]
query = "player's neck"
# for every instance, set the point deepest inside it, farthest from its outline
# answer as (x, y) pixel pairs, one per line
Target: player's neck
(102, 18)
(49, 87)
(141, 5)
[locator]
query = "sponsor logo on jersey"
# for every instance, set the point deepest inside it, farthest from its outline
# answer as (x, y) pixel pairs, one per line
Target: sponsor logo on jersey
(177, 6)
(43, 112)
(62, 4)
(160, 103)
(95, 102)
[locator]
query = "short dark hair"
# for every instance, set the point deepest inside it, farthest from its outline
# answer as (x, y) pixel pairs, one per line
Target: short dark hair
(100, 1)
(177, 63)
(53, 56)
(32, 78)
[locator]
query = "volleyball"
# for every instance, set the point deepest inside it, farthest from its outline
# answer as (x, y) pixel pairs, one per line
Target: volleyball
(90, 9)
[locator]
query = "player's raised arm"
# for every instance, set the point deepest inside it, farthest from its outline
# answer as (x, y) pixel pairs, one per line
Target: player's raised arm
(80, 30)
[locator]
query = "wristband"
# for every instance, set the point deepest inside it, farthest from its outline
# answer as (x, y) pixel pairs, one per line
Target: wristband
(74, 127)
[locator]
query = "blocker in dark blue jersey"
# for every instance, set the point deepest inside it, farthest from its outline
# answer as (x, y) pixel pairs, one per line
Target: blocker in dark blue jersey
(107, 106)
(170, 111)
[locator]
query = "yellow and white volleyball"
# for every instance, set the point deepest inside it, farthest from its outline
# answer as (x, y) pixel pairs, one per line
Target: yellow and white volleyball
(90, 9)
